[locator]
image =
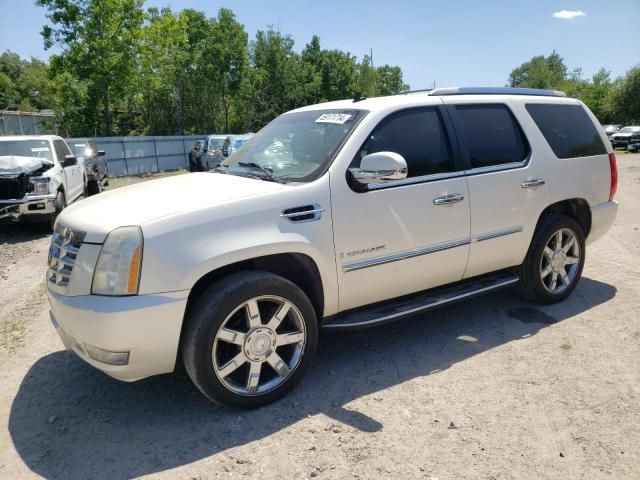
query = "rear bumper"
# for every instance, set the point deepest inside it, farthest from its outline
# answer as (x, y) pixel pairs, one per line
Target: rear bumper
(147, 327)
(33, 208)
(602, 217)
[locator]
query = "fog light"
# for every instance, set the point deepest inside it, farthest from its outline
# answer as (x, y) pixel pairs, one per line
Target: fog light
(106, 356)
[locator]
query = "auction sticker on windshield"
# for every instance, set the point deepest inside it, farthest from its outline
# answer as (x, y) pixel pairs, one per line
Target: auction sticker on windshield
(339, 118)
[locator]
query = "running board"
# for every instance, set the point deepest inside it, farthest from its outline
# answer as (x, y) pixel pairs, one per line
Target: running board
(397, 308)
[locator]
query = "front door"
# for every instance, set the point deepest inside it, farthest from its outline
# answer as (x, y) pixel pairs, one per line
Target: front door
(408, 235)
(73, 173)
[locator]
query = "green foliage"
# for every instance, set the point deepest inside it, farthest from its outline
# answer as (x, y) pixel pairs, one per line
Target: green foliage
(611, 101)
(100, 42)
(24, 84)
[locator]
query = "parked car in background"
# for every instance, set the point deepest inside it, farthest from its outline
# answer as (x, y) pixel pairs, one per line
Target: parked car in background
(620, 139)
(195, 157)
(39, 176)
(342, 215)
(634, 142)
(611, 129)
(94, 162)
(215, 150)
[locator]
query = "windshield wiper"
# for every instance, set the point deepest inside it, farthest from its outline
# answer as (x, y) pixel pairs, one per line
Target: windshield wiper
(266, 170)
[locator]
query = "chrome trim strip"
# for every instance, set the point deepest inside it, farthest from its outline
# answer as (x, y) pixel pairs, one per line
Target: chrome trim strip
(300, 214)
(427, 306)
(497, 168)
(497, 233)
(316, 212)
(438, 247)
(394, 257)
(416, 180)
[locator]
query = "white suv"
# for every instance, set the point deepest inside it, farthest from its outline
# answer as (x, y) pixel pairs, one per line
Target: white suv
(341, 215)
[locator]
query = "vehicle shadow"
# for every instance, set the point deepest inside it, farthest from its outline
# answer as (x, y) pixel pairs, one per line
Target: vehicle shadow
(71, 421)
(13, 233)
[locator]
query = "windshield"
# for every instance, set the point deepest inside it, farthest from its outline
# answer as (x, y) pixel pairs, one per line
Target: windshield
(40, 149)
(295, 146)
(629, 129)
(82, 149)
(216, 144)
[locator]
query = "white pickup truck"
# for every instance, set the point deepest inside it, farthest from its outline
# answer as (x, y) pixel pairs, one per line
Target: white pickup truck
(39, 176)
(342, 215)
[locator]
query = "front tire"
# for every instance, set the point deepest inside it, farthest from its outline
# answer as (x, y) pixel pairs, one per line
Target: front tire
(60, 203)
(554, 262)
(249, 339)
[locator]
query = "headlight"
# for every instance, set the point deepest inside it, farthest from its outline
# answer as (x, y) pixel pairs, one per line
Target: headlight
(40, 186)
(118, 267)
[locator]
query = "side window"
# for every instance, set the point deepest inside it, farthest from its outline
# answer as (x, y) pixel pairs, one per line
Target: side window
(416, 134)
(61, 150)
(568, 130)
(493, 137)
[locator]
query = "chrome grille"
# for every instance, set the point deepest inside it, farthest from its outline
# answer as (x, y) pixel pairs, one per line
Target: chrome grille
(65, 245)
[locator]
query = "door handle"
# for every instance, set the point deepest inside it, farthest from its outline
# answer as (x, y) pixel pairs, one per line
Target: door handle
(448, 199)
(538, 182)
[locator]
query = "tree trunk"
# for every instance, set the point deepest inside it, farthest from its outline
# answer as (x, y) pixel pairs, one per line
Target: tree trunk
(107, 112)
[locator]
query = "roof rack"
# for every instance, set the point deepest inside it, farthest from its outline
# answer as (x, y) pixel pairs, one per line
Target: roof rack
(496, 91)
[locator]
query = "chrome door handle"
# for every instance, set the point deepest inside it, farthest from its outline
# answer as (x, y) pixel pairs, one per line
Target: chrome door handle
(448, 199)
(538, 182)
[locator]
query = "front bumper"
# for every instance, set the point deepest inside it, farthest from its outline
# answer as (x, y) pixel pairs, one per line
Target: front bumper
(146, 326)
(41, 207)
(602, 217)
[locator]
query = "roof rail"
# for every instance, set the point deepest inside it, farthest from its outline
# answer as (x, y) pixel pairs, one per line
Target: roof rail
(497, 91)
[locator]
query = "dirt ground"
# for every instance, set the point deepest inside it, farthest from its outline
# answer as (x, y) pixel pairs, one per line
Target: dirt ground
(494, 388)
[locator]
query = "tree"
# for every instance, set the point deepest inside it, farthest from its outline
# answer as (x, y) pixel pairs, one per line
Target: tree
(389, 80)
(626, 97)
(539, 72)
(100, 41)
(228, 50)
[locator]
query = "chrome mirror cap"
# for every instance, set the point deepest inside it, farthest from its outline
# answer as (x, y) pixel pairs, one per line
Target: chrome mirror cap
(380, 167)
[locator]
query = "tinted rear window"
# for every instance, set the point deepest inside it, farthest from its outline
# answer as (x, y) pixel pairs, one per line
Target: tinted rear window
(492, 135)
(568, 130)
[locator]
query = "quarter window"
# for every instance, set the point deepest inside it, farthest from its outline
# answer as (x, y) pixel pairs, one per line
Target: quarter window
(492, 135)
(416, 134)
(568, 130)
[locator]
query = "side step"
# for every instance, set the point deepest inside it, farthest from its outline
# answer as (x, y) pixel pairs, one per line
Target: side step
(397, 308)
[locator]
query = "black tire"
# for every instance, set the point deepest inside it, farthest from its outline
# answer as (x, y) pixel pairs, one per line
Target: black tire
(60, 203)
(94, 187)
(209, 312)
(531, 286)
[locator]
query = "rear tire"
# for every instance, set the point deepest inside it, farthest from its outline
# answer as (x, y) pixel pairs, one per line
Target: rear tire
(249, 339)
(554, 262)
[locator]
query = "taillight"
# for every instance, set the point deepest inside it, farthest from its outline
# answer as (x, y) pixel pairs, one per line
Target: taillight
(614, 176)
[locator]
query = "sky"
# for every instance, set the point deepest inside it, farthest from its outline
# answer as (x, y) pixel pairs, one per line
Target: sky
(451, 43)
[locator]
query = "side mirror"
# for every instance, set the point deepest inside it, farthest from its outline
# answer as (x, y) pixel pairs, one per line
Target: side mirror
(380, 167)
(69, 161)
(101, 153)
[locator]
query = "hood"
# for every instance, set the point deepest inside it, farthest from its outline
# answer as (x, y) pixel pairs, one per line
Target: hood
(14, 165)
(148, 201)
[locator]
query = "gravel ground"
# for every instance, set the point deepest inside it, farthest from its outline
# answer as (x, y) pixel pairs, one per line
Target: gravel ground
(494, 388)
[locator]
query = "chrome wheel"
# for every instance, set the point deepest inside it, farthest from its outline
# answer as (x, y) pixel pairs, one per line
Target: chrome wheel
(560, 261)
(259, 345)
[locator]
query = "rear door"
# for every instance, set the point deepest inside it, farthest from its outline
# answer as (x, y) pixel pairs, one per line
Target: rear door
(507, 181)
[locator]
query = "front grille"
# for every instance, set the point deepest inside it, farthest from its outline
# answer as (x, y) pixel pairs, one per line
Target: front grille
(13, 186)
(65, 245)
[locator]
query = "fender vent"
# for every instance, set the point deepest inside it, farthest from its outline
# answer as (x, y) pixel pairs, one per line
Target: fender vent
(305, 213)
